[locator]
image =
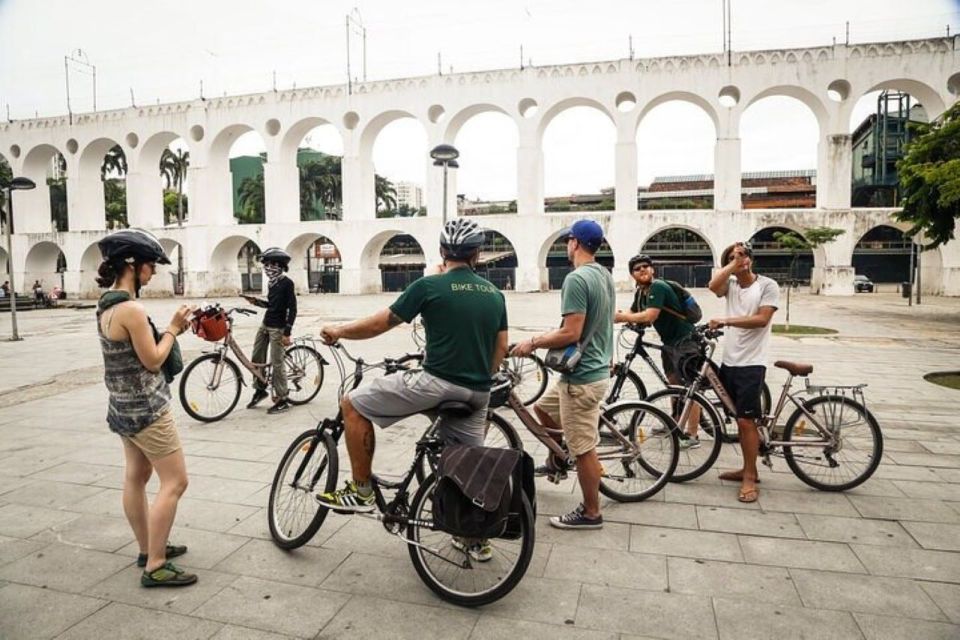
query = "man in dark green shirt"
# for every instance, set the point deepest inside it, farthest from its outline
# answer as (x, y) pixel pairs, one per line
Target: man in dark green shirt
(465, 318)
(656, 303)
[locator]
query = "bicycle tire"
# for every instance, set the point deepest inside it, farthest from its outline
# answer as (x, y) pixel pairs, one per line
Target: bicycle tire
(690, 466)
(635, 411)
(733, 436)
(875, 454)
(283, 535)
(638, 388)
(502, 426)
(512, 574)
(533, 387)
(311, 354)
(192, 407)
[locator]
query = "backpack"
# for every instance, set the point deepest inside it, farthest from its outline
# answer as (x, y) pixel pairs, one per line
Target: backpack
(689, 309)
(477, 490)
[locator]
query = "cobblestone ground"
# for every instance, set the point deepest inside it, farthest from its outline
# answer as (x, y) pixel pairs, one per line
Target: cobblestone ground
(880, 561)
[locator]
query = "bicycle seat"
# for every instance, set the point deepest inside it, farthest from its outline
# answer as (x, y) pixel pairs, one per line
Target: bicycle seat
(454, 409)
(795, 368)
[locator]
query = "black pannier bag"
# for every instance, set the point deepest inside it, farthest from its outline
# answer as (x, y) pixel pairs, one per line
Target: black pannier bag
(474, 495)
(523, 485)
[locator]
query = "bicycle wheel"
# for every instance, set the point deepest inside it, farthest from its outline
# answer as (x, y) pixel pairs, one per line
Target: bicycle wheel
(203, 400)
(308, 467)
(694, 460)
(636, 475)
(441, 566)
(840, 466)
(500, 435)
(631, 389)
(533, 377)
(304, 373)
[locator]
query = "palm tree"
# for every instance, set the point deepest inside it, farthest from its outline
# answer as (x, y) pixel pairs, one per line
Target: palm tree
(252, 200)
(113, 162)
(6, 175)
(173, 168)
(386, 194)
(320, 182)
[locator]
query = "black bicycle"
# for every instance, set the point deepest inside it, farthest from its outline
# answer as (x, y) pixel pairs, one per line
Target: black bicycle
(311, 464)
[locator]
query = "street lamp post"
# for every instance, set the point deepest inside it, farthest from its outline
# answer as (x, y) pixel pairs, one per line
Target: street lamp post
(17, 184)
(445, 155)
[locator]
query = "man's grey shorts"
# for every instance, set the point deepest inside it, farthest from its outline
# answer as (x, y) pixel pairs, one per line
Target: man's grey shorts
(392, 398)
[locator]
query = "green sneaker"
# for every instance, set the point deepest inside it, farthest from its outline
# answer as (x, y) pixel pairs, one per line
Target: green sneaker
(348, 500)
(479, 550)
(173, 550)
(169, 575)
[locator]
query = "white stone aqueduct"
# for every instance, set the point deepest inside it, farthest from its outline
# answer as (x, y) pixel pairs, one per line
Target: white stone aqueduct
(928, 69)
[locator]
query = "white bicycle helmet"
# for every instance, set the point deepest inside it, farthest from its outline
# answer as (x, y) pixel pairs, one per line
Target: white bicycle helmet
(460, 238)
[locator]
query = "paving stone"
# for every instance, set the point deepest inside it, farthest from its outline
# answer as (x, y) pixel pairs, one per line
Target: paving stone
(941, 446)
(715, 579)
(818, 502)
(781, 525)
(23, 521)
(898, 472)
(64, 568)
(92, 532)
(947, 597)
(800, 554)
(707, 545)
(612, 536)
(890, 628)
(397, 620)
(49, 494)
(928, 460)
(910, 563)
(743, 620)
(205, 548)
(929, 490)
(380, 576)
(607, 567)
(865, 594)
(664, 615)
(491, 628)
(658, 514)
(14, 548)
(140, 624)
(210, 516)
(856, 530)
(31, 612)
(366, 536)
(231, 632)
(307, 566)
(26, 463)
(710, 495)
(225, 489)
(905, 509)
(75, 472)
(273, 606)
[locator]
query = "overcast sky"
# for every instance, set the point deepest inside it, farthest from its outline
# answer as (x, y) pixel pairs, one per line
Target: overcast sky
(162, 50)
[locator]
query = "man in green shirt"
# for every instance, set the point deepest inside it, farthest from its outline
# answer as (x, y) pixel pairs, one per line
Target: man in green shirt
(465, 318)
(657, 303)
(587, 303)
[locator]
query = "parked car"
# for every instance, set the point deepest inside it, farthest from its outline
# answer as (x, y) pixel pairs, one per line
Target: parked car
(862, 284)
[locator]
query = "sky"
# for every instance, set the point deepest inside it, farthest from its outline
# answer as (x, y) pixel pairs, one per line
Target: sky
(162, 50)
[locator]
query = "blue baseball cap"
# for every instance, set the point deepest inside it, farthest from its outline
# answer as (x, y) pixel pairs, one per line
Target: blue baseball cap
(587, 232)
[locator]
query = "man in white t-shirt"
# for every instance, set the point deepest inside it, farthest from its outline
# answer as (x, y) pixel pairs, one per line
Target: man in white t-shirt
(751, 302)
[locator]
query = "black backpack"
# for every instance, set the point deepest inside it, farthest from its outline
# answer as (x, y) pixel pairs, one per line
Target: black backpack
(479, 489)
(689, 309)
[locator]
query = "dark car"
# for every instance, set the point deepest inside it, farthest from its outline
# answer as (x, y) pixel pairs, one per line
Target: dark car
(862, 284)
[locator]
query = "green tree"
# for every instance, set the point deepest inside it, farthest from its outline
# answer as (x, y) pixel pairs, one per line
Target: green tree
(929, 176)
(797, 244)
(386, 194)
(172, 201)
(114, 162)
(252, 200)
(115, 203)
(173, 168)
(6, 175)
(320, 185)
(58, 203)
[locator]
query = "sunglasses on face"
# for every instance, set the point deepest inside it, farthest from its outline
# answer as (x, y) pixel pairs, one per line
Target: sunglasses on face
(641, 267)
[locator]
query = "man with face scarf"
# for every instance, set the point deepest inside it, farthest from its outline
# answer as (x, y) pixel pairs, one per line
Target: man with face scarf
(281, 312)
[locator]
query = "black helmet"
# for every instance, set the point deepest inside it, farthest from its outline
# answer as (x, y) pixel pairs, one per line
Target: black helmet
(275, 254)
(132, 245)
(461, 237)
(641, 258)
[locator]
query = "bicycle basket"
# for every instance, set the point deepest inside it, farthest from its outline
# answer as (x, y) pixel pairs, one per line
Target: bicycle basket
(211, 324)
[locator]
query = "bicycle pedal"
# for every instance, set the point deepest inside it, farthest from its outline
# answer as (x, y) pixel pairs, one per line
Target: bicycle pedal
(555, 478)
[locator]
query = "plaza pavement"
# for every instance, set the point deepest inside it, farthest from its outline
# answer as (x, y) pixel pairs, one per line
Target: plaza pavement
(881, 561)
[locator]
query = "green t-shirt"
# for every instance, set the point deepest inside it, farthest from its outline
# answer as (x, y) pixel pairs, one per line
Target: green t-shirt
(462, 315)
(671, 329)
(589, 289)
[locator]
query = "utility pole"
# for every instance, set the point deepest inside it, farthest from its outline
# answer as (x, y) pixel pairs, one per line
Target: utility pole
(521, 57)
(630, 45)
(354, 22)
(847, 40)
(79, 59)
(439, 64)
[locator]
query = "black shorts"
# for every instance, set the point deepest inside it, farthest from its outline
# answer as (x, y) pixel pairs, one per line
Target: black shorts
(670, 357)
(744, 385)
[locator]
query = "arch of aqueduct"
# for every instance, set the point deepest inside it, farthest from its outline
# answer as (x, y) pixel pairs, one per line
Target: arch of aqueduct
(928, 69)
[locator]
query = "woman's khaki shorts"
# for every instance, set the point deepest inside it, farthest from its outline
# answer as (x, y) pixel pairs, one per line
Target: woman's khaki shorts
(159, 439)
(576, 408)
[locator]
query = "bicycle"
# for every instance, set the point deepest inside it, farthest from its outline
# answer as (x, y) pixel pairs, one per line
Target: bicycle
(311, 465)
(638, 388)
(210, 386)
(635, 432)
(843, 408)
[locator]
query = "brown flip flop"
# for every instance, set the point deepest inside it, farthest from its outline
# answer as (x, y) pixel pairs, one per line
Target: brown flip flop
(734, 476)
(750, 495)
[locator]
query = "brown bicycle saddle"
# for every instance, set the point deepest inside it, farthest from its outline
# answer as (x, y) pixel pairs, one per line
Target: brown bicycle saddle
(795, 368)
